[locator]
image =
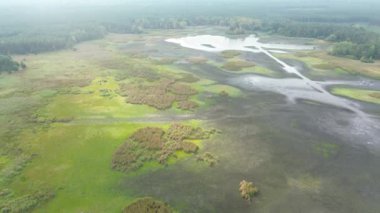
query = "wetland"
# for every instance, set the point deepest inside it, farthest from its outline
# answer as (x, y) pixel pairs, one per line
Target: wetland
(190, 119)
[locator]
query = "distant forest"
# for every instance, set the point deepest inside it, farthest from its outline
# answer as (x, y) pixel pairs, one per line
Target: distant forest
(349, 39)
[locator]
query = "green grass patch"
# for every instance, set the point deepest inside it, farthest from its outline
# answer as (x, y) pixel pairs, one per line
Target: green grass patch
(75, 160)
(261, 71)
(324, 64)
(370, 96)
(64, 118)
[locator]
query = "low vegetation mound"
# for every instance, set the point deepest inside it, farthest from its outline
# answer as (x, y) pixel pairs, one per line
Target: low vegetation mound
(26, 203)
(154, 144)
(375, 95)
(237, 65)
(148, 205)
(230, 53)
(197, 60)
(187, 105)
(188, 78)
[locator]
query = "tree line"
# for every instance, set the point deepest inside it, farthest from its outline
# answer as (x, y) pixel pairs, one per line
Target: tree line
(349, 41)
(46, 38)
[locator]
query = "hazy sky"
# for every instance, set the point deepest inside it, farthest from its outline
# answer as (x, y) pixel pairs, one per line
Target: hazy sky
(44, 3)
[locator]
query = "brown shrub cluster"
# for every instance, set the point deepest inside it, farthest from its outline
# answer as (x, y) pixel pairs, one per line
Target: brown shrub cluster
(147, 205)
(188, 78)
(154, 95)
(147, 74)
(149, 137)
(182, 89)
(187, 105)
(179, 132)
(160, 94)
(27, 203)
(126, 157)
(137, 71)
(153, 144)
(189, 147)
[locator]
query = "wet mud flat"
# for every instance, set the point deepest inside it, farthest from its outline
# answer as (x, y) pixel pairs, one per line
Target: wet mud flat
(303, 154)
(302, 158)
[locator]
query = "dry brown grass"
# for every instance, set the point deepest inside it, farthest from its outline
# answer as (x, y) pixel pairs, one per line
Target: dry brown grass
(181, 89)
(148, 205)
(159, 94)
(237, 65)
(353, 66)
(154, 95)
(188, 78)
(150, 137)
(197, 60)
(125, 158)
(179, 132)
(39, 84)
(375, 95)
(187, 105)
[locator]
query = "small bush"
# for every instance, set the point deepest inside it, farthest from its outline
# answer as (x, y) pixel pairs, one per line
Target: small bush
(247, 190)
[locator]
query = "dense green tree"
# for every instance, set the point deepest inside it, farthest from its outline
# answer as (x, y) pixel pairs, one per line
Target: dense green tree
(8, 65)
